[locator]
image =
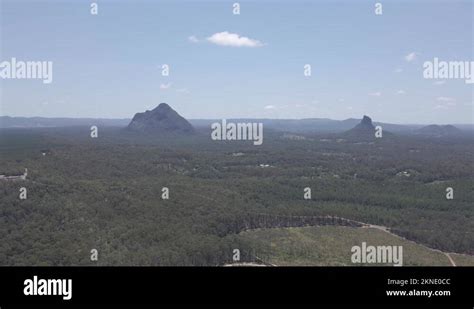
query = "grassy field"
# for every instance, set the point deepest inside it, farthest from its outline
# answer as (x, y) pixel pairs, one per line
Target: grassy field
(462, 259)
(331, 246)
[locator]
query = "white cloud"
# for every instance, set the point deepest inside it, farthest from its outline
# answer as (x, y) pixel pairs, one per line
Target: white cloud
(401, 92)
(165, 86)
(183, 90)
(233, 39)
(439, 82)
(411, 56)
(270, 107)
(440, 106)
(193, 39)
(446, 102)
(398, 70)
(445, 99)
(375, 94)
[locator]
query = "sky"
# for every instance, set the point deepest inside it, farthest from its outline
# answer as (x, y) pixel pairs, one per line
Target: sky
(250, 65)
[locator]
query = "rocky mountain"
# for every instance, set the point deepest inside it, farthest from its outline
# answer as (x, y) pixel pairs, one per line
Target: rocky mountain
(364, 126)
(162, 119)
(435, 130)
(365, 129)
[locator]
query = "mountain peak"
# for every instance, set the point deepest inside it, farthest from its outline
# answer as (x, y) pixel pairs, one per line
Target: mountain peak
(365, 125)
(162, 119)
(364, 129)
(162, 106)
(366, 121)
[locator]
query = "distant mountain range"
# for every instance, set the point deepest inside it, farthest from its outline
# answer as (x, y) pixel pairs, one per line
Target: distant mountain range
(323, 125)
(164, 119)
(438, 131)
(42, 122)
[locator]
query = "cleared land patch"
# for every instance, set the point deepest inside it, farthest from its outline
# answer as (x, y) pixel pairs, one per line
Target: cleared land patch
(331, 246)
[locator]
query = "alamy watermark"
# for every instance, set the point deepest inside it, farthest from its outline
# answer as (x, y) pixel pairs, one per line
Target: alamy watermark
(241, 131)
(17, 69)
(377, 254)
(437, 69)
(40, 287)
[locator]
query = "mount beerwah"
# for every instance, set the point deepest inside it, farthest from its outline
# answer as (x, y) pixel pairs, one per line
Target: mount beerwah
(161, 120)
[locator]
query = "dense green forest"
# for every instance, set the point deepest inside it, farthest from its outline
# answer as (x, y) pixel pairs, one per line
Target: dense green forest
(105, 193)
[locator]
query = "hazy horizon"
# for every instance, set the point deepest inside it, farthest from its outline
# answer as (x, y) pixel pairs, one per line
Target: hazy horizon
(239, 66)
(249, 118)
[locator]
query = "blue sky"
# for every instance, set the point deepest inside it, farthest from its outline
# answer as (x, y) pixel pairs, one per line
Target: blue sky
(109, 65)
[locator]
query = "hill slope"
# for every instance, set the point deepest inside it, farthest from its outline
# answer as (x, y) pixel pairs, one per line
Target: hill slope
(439, 130)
